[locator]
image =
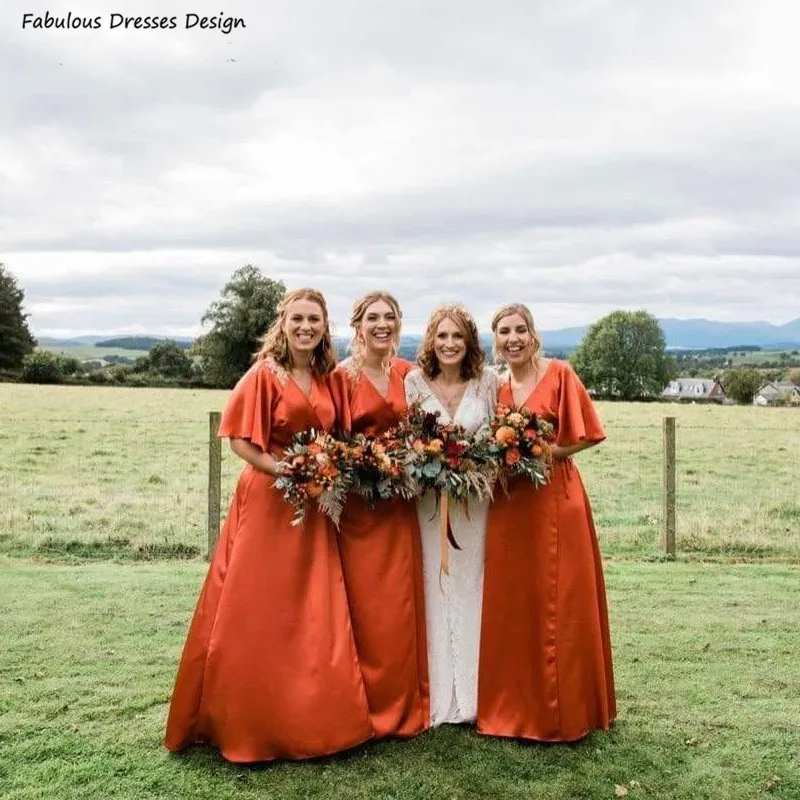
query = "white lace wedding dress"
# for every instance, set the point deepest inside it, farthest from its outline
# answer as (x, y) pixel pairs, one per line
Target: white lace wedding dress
(453, 609)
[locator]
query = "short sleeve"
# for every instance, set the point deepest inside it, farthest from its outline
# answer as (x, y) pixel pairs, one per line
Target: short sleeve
(402, 367)
(248, 413)
(412, 386)
(340, 384)
(489, 387)
(578, 420)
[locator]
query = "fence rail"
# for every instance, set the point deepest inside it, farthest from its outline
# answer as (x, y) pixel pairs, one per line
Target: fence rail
(668, 490)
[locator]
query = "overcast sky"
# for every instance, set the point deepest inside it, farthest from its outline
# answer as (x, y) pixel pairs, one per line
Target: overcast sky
(580, 155)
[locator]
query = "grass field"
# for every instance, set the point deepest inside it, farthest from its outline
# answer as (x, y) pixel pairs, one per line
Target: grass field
(96, 480)
(707, 662)
(115, 472)
(88, 352)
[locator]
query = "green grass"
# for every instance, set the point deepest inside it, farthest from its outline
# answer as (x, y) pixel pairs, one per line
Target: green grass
(707, 664)
(96, 472)
(88, 352)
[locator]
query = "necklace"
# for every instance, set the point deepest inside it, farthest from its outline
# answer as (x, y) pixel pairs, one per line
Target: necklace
(450, 400)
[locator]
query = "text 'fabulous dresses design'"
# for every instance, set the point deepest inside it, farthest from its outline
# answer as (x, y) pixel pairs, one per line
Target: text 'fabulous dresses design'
(453, 604)
(269, 669)
(382, 564)
(545, 663)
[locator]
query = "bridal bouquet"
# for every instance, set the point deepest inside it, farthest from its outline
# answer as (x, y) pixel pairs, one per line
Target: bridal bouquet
(315, 467)
(519, 443)
(443, 458)
(380, 467)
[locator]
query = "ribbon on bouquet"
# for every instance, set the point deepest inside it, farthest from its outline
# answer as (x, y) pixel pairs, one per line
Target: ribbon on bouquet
(446, 537)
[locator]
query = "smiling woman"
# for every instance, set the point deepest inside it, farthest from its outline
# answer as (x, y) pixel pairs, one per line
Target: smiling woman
(269, 669)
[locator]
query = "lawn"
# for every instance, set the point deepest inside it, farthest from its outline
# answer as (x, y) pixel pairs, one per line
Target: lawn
(122, 473)
(707, 662)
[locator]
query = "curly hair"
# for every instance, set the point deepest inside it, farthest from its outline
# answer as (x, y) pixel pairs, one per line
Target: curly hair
(274, 343)
(357, 345)
(474, 359)
(525, 313)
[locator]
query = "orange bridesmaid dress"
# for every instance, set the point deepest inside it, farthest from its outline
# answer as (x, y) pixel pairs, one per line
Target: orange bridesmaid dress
(269, 669)
(545, 668)
(382, 564)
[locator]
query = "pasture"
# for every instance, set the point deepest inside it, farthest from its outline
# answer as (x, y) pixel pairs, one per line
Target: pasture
(102, 537)
(122, 473)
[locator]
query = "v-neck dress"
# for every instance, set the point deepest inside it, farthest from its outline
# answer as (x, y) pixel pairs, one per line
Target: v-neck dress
(545, 658)
(453, 601)
(269, 669)
(382, 564)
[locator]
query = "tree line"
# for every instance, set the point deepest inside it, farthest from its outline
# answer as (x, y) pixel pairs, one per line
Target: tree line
(622, 356)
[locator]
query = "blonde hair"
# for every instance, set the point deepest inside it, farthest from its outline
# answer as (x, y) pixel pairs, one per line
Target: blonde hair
(525, 313)
(275, 345)
(472, 365)
(358, 346)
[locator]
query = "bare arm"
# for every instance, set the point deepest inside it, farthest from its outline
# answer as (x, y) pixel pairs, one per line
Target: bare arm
(247, 451)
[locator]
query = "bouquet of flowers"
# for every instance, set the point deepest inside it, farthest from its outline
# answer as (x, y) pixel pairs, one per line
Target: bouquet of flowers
(519, 443)
(380, 467)
(315, 467)
(443, 458)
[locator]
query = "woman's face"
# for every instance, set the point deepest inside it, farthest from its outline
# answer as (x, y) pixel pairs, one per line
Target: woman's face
(513, 340)
(379, 327)
(449, 343)
(304, 325)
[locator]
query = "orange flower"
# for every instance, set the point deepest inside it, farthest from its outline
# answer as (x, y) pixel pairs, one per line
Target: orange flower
(536, 450)
(314, 448)
(313, 489)
(505, 435)
(357, 452)
(512, 456)
(435, 445)
(418, 446)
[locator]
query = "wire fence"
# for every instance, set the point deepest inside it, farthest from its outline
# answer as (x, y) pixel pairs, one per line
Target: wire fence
(107, 472)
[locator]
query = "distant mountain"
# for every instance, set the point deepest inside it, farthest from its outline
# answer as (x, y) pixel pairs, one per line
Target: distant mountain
(689, 334)
(132, 342)
(697, 334)
(141, 342)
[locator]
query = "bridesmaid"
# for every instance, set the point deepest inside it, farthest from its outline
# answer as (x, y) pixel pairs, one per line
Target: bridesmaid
(269, 669)
(380, 547)
(545, 659)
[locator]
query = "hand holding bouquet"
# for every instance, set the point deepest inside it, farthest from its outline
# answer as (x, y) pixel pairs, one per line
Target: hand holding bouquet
(519, 443)
(315, 467)
(443, 457)
(380, 467)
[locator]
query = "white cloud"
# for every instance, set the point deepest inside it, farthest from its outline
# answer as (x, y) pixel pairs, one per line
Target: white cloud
(585, 156)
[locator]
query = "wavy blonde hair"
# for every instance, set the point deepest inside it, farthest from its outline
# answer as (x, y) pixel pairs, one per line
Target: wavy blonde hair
(525, 313)
(474, 359)
(275, 345)
(358, 347)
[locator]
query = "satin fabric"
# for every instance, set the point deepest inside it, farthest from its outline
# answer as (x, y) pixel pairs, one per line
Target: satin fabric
(382, 564)
(269, 669)
(545, 669)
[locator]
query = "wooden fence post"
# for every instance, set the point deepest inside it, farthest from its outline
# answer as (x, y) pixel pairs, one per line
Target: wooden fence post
(214, 480)
(668, 489)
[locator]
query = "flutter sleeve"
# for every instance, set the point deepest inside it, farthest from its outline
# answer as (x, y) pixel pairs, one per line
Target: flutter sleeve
(341, 387)
(578, 420)
(248, 413)
(413, 386)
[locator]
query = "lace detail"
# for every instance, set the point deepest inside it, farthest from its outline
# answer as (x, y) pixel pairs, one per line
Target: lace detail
(281, 373)
(453, 612)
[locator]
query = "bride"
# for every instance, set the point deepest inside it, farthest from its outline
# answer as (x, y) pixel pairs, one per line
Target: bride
(452, 380)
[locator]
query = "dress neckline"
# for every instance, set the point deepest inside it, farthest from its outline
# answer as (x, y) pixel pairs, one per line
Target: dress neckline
(533, 390)
(450, 417)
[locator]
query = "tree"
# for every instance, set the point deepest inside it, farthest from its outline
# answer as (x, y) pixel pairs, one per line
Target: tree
(624, 355)
(246, 309)
(16, 340)
(741, 384)
(169, 359)
(794, 376)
